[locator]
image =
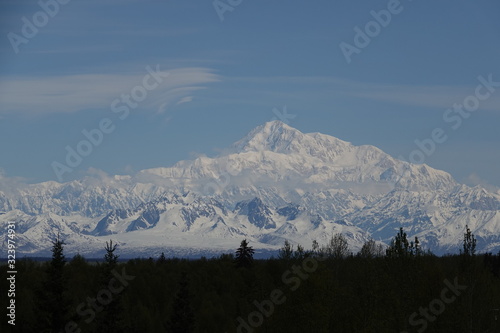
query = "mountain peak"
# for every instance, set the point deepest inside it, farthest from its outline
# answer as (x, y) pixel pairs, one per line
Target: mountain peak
(322, 184)
(274, 125)
(278, 137)
(274, 136)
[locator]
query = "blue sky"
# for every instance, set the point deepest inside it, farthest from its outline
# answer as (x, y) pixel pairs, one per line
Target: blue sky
(223, 78)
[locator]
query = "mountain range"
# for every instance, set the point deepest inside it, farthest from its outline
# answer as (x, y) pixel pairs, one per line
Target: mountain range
(275, 184)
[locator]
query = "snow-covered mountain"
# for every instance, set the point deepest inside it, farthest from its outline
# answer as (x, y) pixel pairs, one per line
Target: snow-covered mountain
(276, 183)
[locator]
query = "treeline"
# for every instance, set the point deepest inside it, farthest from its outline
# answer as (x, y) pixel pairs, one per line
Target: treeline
(326, 289)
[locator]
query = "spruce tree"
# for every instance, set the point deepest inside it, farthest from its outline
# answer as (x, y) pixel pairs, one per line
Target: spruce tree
(469, 245)
(110, 320)
(244, 255)
(55, 286)
(182, 317)
(286, 252)
(110, 257)
(162, 259)
(400, 247)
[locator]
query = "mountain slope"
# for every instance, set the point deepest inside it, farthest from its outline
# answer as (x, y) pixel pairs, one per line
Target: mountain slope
(276, 183)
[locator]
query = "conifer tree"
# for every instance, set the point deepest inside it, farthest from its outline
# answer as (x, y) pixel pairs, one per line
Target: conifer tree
(110, 257)
(110, 320)
(286, 252)
(416, 246)
(244, 255)
(400, 247)
(469, 245)
(161, 259)
(55, 287)
(182, 317)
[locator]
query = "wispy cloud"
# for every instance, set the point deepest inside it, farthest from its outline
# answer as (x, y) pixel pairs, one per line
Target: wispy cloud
(433, 96)
(186, 99)
(439, 97)
(71, 93)
(176, 96)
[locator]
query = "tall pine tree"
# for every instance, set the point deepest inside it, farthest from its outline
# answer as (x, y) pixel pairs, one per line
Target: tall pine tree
(244, 255)
(110, 320)
(182, 318)
(55, 286)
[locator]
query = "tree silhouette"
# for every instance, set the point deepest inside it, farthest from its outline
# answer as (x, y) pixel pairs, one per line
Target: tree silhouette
(400, 247)
(55, 287)
(416, 247)
(162, 259)
(110, 257)
(469, 247)
(370, 249)
(354, 294)
(337, 247)
(182, 317)
(244, 255)
(110, 320)
(286, 252)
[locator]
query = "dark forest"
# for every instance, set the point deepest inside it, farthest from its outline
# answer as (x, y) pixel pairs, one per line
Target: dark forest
(326, 289)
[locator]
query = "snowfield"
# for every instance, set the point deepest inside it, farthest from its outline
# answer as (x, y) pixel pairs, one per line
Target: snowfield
(273, 185)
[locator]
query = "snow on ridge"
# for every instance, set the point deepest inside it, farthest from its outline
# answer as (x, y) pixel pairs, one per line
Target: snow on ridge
(358, 190)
